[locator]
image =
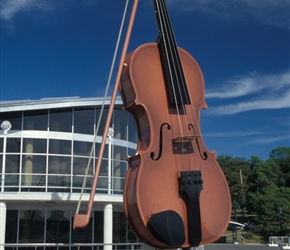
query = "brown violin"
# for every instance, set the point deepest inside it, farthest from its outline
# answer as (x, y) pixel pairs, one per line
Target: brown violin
(175, 193)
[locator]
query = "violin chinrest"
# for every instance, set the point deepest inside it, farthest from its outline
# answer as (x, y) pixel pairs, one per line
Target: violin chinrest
(167, 227)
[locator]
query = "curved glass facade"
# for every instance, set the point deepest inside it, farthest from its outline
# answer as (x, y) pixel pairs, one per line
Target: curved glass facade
(48, 150)
(43, 159)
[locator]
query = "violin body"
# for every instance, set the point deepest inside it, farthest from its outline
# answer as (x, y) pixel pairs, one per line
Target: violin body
(175, 193)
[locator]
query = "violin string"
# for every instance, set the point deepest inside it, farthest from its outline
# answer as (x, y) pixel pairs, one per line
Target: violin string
(176, 62)
(176, 66)
(194, 119)
(168, 54)
(162, 35)
(192, 112)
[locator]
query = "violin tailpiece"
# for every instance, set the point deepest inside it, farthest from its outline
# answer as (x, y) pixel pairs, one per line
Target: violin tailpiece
(191, 185)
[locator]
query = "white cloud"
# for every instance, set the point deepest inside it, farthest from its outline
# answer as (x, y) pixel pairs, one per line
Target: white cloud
(274, 102)
(267, 140)
(256, 92)
(233, 134)
(270, 12)
(251, 84)
(9, 8)
(252, 138)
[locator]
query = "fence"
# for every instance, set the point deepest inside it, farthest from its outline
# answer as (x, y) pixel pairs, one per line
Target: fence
(63, 246)
(279, 240)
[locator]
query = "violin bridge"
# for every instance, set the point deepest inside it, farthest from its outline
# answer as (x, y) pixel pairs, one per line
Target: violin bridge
(186, 138)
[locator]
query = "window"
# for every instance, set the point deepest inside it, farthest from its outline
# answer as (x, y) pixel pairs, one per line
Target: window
(102, 185)
(60, 120)
(97, 150)
(1, 159)
(35, 120)
(80, 165)
(52, 225)
(79, 170)
(99, 226)
(34, 145)
(119, 224)
(59, 165)
(119, 173)
(13, 117)
(84, 121)
(58, 226)
(11, 226)
(82, 148)
(120, 153)
(103, 120)
(31, 226)
(12, 164)
(13, 145)
(83, 235)
(59, 170)
(120, 124)
(34, 164)
(12, 173)
(59, 147)
(33, 173)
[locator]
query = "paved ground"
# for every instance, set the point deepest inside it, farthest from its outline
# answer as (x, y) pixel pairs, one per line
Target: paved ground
(246, 246)
(221, 246)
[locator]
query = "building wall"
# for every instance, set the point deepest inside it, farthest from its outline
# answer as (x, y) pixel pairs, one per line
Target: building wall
(46, 153)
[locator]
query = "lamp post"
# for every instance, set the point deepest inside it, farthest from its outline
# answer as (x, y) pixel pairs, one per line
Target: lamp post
(108, 208)
(110, 135)
(6, 126)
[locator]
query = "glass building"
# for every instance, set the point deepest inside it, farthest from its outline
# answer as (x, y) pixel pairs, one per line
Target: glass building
(43, 158)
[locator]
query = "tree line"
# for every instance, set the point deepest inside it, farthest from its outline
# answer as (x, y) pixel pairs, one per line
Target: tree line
(260, 191)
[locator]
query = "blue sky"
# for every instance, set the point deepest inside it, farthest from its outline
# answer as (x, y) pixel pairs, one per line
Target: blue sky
(62, 48)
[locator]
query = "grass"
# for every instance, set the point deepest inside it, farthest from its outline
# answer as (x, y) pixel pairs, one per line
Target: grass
(250, 237)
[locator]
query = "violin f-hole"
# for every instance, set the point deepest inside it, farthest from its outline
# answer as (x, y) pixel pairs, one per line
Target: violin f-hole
(152, 154)
(204, 155)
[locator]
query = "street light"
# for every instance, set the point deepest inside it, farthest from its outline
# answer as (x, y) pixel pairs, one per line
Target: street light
(6, 126)
(110, 135)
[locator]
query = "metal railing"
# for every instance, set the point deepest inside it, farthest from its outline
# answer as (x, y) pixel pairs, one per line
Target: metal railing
(279, 240)
(78, 246)
(72, 246)
(65, 183)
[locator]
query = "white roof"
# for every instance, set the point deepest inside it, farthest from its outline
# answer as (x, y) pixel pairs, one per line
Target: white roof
(236, 224)
(59, 102)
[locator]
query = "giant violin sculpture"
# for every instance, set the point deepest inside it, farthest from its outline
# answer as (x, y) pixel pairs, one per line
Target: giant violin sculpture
(175, 193)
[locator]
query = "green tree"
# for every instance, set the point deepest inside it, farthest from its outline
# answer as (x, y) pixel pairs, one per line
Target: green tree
(236, 171)
(281, 156)
(264, 173)
(263, 190)
(267, 197)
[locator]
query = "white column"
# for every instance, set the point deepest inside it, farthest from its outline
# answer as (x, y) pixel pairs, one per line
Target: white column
(2, 224)
(4, 160)
(28, 163)
(108, 226)
(109, 163)
(110, 136)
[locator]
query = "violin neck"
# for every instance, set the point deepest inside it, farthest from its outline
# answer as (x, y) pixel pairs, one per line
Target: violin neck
(170, 60)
